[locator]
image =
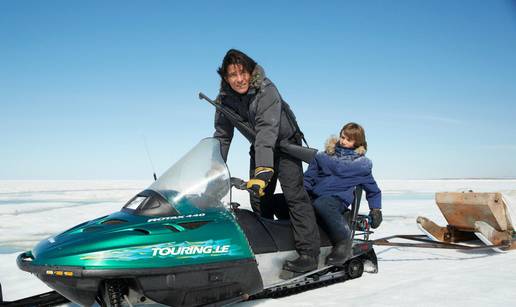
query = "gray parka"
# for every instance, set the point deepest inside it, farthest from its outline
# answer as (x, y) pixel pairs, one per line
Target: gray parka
(265, 110)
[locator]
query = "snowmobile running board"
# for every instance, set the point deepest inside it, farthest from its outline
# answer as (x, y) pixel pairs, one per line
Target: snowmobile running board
(324, 276)
(319, 278)
(428, 243)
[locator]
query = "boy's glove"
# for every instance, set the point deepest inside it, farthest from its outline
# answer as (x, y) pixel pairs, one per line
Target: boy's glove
(376, 218)
(262, 176)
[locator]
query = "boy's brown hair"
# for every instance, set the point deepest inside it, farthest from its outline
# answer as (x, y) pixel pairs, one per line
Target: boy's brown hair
(356, 133)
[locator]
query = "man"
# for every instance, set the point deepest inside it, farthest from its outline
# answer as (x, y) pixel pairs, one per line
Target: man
(246, 90)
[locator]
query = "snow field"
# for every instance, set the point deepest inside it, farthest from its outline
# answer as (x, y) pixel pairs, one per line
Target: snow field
(33, 210)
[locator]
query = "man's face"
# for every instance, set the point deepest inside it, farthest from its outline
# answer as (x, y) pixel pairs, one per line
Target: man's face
(238, 78)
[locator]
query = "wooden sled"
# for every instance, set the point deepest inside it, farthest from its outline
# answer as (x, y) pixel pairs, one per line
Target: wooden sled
(472, 216)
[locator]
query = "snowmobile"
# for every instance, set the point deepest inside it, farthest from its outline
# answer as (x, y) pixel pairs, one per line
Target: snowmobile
(182, 242)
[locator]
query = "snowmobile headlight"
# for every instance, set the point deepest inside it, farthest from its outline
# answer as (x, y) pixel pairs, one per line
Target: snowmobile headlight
(60, 273)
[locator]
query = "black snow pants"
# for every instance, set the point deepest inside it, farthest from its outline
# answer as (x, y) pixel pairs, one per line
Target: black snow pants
(289, 172)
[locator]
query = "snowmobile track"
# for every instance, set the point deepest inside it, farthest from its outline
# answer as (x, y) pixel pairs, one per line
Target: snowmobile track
(320, 278)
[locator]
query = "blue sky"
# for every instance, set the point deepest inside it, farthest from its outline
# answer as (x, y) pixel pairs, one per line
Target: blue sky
(82, 83)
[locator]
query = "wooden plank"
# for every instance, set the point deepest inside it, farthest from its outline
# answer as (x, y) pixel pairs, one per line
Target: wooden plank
(462, 209)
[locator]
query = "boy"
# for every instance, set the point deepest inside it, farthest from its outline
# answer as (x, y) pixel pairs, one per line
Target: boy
(331, 179)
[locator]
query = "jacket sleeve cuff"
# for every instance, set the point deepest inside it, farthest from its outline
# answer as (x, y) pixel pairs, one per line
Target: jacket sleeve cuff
(264, 157)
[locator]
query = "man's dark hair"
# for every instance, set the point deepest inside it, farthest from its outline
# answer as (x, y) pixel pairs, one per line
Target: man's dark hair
(234, 56)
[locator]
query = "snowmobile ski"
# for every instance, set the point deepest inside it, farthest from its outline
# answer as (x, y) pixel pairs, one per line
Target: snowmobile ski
(47, 299)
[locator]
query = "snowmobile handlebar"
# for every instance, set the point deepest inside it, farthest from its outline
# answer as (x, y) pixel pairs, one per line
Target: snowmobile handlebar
(238, 183)
(305, 154)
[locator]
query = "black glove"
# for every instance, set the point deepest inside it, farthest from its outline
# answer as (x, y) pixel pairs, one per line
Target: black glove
(376, 218)
(262, 176)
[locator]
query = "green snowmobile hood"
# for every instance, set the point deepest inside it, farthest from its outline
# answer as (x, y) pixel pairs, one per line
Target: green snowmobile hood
(123, 240)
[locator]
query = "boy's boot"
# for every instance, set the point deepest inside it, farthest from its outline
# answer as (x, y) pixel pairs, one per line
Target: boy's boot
(304, 263)
(340, 253)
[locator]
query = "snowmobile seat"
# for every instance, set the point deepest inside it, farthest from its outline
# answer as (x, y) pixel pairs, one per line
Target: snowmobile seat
(267, 235)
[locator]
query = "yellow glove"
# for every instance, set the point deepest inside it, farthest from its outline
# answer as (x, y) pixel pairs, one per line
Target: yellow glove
(262, 176)
(257, 186)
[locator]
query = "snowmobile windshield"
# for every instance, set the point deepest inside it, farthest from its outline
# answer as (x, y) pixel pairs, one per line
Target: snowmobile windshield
(198, 182)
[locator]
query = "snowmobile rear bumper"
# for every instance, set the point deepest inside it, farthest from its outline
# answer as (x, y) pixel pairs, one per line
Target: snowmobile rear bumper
(176, 286)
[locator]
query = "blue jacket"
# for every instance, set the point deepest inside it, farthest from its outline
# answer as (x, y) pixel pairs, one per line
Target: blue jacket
(338, 174)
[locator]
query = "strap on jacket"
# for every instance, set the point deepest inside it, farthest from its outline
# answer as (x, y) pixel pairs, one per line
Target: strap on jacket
(291, 119)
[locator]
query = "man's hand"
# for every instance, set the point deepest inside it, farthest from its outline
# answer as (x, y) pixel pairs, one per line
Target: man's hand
(376, 218)
(262, 176)
(257, 186)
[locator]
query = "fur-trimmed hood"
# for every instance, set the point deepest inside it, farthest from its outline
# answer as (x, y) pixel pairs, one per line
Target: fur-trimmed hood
(331, 143)
(339, 173)
(257, 82)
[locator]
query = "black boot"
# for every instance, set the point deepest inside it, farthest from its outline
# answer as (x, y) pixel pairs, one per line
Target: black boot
(304, 263)
(340, 253)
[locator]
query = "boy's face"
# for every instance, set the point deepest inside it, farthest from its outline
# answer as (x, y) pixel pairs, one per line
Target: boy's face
(346, 142)
(238, 78)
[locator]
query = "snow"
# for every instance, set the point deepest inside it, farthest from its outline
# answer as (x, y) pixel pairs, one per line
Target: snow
(33, 210)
